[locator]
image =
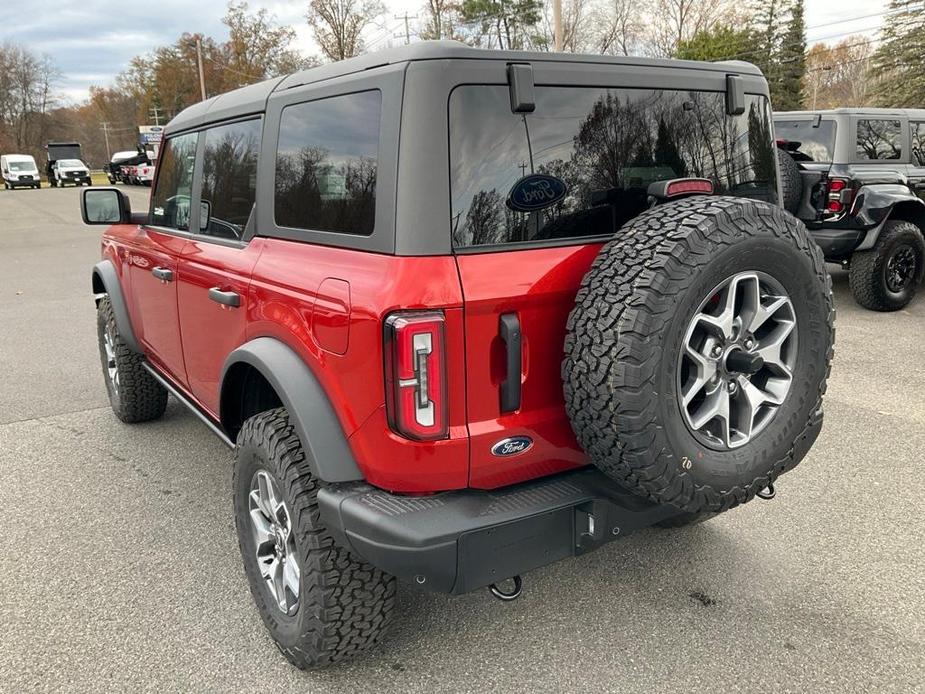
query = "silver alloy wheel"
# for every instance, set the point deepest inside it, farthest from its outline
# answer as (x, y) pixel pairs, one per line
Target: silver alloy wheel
(112, 370)
(736, 360)
(271, 527)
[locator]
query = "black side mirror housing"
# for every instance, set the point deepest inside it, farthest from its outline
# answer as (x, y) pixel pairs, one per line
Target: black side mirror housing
(105, 206)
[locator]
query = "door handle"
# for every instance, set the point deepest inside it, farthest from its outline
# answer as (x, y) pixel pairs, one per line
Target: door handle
(163, 274)
(510, 386)
(232, 299)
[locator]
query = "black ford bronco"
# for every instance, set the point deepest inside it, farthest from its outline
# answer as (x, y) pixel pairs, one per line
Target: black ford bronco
(856, 177)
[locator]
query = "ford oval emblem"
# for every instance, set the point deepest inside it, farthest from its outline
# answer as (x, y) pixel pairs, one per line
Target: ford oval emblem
(536, 191)
(512, 446)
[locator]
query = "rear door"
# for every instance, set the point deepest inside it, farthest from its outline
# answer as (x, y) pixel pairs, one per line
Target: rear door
(154, 254)
(534, 196)
(216, 263)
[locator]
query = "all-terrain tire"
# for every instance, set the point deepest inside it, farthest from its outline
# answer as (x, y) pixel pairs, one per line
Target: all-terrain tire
(790, 180)
(624, 338)
(867, 274)
(345, 604)
(134, 394)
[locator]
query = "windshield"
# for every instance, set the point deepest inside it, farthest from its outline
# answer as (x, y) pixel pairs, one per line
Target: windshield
(73, 163)
(812, 138)
(581, 163)
(22, 166)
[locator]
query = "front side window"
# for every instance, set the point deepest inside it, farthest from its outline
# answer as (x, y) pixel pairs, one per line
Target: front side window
(581, 163)
(879, 139)
(229, 178)
(170, 202)
(327, 162)
(918, 143)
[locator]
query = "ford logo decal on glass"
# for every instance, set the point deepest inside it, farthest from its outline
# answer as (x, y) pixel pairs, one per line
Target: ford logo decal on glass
(536, 191)
(512, 446)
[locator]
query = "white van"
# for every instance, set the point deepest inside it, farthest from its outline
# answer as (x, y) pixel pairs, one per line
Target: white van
(19, 170)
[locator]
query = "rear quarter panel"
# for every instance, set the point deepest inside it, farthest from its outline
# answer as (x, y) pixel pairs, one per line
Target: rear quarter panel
(297, 295)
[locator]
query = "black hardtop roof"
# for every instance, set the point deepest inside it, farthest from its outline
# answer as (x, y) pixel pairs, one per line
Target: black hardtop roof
(253, 98)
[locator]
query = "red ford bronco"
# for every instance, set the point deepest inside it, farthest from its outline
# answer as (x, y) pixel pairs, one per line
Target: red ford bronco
(461, 313)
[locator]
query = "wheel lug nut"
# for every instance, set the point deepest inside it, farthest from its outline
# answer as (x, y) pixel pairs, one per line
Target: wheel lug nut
(731, 386)
(717, 351)
(749, 343)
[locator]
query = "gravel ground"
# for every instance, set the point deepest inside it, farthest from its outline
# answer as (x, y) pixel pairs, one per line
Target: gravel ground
(119, 568)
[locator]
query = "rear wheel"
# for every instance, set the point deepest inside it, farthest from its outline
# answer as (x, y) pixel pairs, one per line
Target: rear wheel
(886, 277)
(698, 350)
(320, 603)
(134, 394)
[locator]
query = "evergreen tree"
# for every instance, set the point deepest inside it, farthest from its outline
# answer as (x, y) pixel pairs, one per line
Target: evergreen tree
(722, 42)
(511, 22)
(897, 63)
(788, 95)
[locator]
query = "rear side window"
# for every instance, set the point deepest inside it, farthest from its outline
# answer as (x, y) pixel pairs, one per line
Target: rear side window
(229, 178)
(327, 162)
(879, 139)
(581, 163)
(918, 143)
(170, 202)
(809, 140)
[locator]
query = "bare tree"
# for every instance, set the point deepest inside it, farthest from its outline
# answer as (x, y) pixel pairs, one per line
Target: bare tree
(26, 82)
(838, 75)
(338, 25)
(672, 21)
(619, 27)
(440, 18)
(257, 47)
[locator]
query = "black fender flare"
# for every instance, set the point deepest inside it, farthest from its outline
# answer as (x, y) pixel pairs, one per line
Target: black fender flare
(307, 403)
(106, 281)
(877, 206)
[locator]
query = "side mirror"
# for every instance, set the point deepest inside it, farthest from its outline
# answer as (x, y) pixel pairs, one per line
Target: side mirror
(105, 206)
(205, 215)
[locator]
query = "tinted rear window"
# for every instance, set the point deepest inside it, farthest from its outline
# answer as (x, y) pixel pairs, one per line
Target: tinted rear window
(879, 139)
(326, 164)
(814, 142)
(593, 153)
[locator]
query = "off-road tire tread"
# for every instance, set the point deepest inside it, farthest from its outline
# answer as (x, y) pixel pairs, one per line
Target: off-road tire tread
(141, 398)
(612, 353)
(867, 266)
(791, 181)
(352, 601)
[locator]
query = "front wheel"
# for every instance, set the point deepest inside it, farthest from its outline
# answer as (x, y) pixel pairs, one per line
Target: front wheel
(320, 603)
(886, 277)
(134, 394)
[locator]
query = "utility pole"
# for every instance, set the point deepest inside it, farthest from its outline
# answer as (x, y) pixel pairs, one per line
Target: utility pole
(557, 23)
(406, 17)
(105, 126)
(202, 79)
(155, 113)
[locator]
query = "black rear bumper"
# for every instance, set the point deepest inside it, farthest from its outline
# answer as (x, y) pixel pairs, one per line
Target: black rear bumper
(455, 542)
(837, 244)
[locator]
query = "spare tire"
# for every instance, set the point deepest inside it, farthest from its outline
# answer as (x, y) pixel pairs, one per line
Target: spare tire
(698, 350)
(791, 181)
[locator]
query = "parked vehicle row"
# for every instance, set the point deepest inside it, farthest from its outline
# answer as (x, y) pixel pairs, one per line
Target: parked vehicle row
(132, 167)
(460, 314)
(856, 178)
(19, 171)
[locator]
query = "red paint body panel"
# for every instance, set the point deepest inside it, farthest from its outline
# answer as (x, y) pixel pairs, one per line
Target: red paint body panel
(211, 331)
(539, 285)
(287, 287)
(154, 303)
(329, 304)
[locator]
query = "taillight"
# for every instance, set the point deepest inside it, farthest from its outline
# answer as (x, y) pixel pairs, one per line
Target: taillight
(838, 197)
(685, 186)
(415, 375)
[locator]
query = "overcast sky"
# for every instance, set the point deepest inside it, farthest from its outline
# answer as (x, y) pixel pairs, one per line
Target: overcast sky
(93, 40)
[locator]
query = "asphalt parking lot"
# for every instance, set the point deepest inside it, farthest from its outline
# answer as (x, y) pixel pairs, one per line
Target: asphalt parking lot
(120, 571)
